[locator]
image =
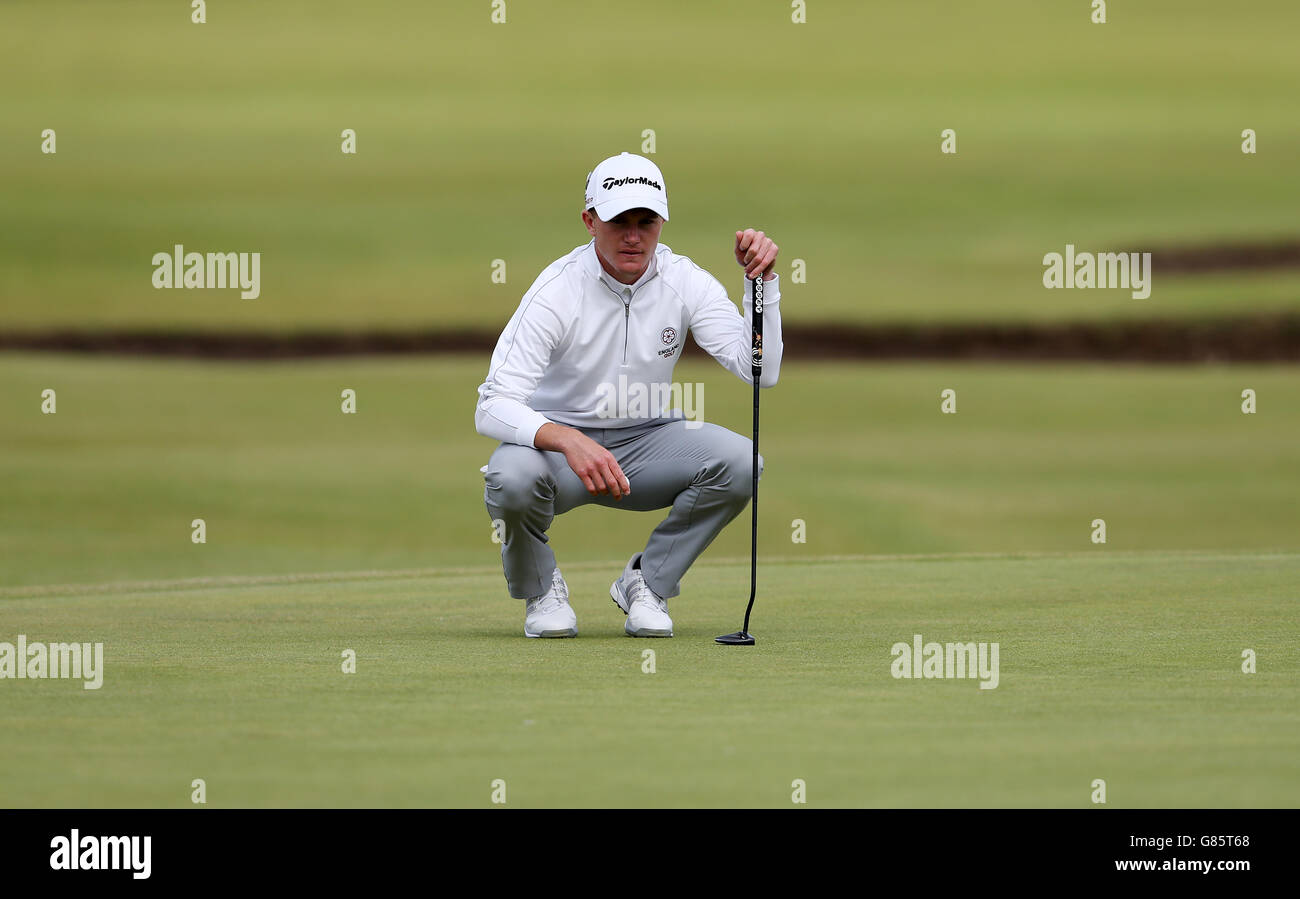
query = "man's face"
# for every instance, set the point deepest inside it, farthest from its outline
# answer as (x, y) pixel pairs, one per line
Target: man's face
(626, 243)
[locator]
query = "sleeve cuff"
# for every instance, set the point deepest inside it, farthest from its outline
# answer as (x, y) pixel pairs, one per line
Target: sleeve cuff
(771, 291)
(526, 433)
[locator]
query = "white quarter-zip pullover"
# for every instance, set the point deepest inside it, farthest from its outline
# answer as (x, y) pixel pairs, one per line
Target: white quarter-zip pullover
(578, 328)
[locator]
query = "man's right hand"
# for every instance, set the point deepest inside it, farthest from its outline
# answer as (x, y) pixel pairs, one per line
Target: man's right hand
(590, 461)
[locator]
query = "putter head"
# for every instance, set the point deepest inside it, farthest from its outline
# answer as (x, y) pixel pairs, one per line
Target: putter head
(739, 638)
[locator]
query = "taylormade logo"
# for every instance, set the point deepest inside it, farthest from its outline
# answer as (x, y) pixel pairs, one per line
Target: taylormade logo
(940, 660)
(219, 270)
(1130, 271)
(610, 183)
(78, 853)
(34, 661)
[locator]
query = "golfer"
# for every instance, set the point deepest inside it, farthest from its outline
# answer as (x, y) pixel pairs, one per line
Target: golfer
(577, 394)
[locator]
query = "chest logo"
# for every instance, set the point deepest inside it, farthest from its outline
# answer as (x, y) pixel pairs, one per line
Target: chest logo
(669, 335)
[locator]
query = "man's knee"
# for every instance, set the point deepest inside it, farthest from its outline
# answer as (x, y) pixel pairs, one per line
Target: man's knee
(516, 477)
(737, 469)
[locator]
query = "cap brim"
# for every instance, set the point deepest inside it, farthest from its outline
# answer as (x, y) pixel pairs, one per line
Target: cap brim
(612, 207)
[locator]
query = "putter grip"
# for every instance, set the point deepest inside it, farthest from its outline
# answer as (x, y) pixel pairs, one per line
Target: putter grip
(757, 319)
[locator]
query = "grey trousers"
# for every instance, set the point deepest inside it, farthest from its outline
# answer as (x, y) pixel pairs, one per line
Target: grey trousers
(703, 474)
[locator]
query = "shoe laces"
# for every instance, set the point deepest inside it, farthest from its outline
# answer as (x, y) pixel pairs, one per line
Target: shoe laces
(640, 592)
(555, 598)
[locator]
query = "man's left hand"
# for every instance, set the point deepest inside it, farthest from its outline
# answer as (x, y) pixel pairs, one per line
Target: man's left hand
(757, 253)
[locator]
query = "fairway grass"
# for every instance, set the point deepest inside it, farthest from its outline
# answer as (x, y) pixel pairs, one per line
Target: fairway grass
(1118, 661)
(1125, 667)
(106, 488)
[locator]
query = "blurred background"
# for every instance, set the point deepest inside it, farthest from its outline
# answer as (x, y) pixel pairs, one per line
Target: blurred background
(473, 141)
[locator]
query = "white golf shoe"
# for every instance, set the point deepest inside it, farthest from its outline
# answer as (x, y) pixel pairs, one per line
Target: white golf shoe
(550, 614)
(647, 614)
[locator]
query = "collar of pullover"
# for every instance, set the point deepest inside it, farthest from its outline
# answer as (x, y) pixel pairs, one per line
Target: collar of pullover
(597, 270)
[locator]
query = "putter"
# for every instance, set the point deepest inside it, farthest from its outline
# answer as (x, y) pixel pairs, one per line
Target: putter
(743, 637)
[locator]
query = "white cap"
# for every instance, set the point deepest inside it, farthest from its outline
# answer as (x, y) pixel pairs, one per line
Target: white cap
(624, 182)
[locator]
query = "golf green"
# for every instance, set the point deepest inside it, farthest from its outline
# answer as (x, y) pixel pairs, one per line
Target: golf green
(1123, 667)
(328, 532)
